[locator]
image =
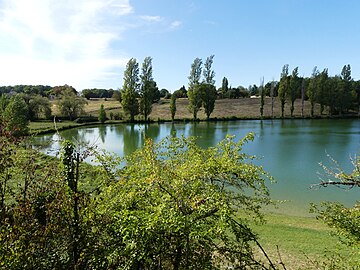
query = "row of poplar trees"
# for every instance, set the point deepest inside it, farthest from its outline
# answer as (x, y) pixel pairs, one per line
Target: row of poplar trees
(339, 93)
(136, 86)
(138, 91)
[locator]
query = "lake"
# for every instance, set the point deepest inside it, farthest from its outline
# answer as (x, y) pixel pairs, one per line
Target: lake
(290, 150)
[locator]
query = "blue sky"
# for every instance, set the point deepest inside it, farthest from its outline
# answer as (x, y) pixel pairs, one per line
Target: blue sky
(87, 43)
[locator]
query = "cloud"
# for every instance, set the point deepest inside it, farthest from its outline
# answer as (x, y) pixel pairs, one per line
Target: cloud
(175, 24)
(56, 42)
(151, 18)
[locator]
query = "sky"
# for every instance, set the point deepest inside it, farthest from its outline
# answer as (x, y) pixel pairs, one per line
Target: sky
(87, 43)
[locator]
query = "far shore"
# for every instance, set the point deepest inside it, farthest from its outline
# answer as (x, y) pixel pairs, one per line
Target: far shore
(225, 110)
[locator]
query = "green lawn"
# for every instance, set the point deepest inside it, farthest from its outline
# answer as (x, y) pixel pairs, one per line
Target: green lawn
(298, 240)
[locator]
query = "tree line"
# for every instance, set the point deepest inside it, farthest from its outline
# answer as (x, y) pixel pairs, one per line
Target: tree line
(336, 95)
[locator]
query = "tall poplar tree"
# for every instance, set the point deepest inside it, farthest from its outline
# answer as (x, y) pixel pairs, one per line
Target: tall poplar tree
(312, 89)
(147, 88)
(173, 106)
(262, 97)
(130, 89)
(207, 88)
(322, 87)
(194, 92)
(283, 87)
(272, 97)
(345, 89)
(293, 89)
(224, 86)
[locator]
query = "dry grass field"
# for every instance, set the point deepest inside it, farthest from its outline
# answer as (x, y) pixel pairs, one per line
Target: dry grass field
(224, 108)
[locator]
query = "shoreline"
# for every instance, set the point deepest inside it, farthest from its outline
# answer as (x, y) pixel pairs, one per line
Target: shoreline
(72, 124)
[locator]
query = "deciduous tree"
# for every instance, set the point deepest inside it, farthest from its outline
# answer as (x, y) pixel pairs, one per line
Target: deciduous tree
(102, 114)
(194, 91)
(175, 206)
(312, 89)
(283, 87)
(293, 89)
(148, 88)
(173, 106)
(71, 105)
(129, 92)
(16, 116)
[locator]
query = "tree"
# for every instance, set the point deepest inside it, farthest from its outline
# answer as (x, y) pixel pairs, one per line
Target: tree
(345, 89)
(117, 95)
(302, 96)
(322, 87)
(148, 88)
(181, 93)
(284, 87)
(224, 86)
(173, 106)
(194, 92)
(208, 98)
(15, 116)
(102, 114)
(207, 88)
(262, 97)
(175, 205)
(130, 89)
(293, 89)
(39, 107)
(312, 89)
(208, 73)
(71, 105)
(272, 94)
(345, 220)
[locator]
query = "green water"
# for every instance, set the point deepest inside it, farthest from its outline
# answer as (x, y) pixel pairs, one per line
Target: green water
(290, 150)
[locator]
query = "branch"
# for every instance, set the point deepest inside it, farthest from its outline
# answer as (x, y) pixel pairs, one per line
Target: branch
(338, 183)
(208, 214)
(257, 243)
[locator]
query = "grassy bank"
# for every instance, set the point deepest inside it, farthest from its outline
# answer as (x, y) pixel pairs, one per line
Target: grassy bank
(299, 240)
(225, 109)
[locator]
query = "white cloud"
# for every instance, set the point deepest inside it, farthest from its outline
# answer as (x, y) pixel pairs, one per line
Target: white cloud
(56, 42)
(151, 18)
(175, 24)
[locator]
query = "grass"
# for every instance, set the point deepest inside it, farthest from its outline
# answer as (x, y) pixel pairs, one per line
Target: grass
(224, 108)
(298, 240)
(48, 126)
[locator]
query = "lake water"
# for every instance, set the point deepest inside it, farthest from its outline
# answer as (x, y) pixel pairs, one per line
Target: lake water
(290, 150)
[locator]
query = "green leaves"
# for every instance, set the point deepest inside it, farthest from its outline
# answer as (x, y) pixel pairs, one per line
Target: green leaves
(174, 203)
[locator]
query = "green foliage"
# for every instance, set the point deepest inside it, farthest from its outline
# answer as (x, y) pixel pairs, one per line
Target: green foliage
(224, 86)
(262, 97)
(130, 89)
(175, 206)
(209, 74)
(294, 87)
(97, 93)
(14, 117)
(148, 88)
(345, 220)
(195, 99)
(71, 105)
(283, 87)
(102, 114)
(173, 106)
(194, 93)
(34, 211)
(208, 98)
(39, 107)
(312, 89)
